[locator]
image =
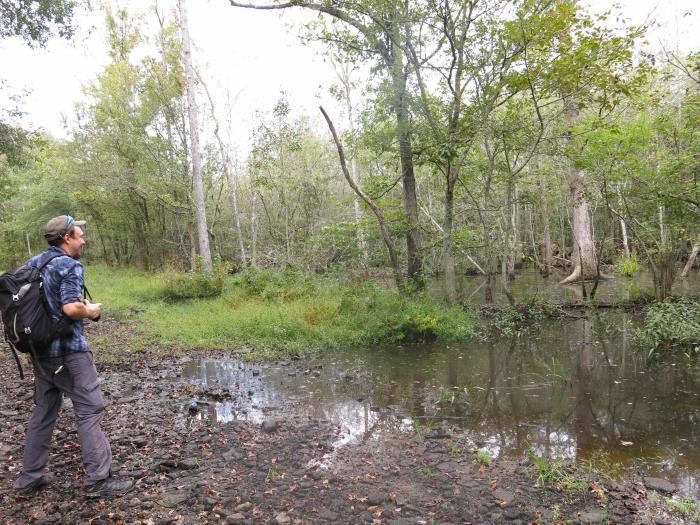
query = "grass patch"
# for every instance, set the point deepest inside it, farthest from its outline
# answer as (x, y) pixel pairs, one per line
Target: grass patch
(554, 472)
(483, 458)
(278, 312)
(689, 508)
(628, 266)
(672, 324)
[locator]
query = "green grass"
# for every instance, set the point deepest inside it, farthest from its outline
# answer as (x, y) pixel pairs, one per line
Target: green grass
(483, 458)
(628, 266)
(553, 472)
(277, 312)
(688, 508)
(674, 323)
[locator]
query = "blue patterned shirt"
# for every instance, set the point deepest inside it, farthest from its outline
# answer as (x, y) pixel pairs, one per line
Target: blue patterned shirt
(63, 278)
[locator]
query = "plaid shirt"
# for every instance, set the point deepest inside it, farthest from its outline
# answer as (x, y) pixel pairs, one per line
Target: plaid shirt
(63, 284)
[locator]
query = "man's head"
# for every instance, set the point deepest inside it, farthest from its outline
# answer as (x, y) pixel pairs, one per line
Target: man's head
(66, 233)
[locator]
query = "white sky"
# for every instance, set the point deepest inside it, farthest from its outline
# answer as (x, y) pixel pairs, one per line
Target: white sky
(252, 55)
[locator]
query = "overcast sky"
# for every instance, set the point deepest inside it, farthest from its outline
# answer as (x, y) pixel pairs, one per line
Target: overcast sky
(251, 55)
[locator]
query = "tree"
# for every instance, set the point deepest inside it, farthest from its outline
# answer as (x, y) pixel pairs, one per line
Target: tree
(376, 31)
(198, 190)
(35, 21)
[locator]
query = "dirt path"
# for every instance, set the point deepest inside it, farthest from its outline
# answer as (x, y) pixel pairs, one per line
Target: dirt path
(283, 471)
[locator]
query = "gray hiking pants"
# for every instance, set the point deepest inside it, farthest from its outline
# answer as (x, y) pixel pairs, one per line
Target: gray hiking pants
(78, 380)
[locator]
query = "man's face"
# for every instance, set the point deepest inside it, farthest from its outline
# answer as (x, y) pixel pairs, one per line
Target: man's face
(74, 243)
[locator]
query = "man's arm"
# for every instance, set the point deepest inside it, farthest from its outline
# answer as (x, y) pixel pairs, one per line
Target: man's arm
(82, 310)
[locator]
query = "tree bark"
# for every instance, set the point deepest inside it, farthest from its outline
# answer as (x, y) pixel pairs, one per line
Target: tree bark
(447, 250)
(198, 189)
(546, 234)
(344, 75)
(691, 261)
(388, 241)
(403, 131)
(586, 266)
(228, 172)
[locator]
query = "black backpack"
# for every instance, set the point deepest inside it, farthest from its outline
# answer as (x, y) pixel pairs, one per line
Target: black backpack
(27, 323)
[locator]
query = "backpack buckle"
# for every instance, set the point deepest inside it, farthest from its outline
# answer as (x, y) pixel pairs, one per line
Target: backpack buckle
(15, 297)
(28, 330)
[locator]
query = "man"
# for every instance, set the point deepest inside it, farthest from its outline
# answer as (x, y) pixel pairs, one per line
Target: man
(67, 367)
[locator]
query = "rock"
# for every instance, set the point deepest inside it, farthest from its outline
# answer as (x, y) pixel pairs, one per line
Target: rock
(270, 425)
(235, 519)
(438, 433)
(660, 485)
(173, 499)
(592, 517)
(448, 466)
(282, 517)
(375, 498)
(328, 515)
(512, 513)
(504, 497)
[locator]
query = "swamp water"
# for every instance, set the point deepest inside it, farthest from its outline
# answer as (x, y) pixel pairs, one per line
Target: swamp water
(578, 390)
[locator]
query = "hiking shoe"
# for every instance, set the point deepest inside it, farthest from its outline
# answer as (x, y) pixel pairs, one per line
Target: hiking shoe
(35, 486)
(108, 487)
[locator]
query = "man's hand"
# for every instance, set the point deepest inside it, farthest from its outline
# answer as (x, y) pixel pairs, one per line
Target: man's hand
(83, 310)
(94, 310)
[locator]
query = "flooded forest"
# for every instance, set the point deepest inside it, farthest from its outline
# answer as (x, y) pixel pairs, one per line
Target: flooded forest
(471, 271)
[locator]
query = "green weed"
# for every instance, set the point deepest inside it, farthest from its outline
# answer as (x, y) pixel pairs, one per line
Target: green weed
(276, 312)
(628, 266)
(483, 458)
(672, 324)
(554, 472)
(688, 508)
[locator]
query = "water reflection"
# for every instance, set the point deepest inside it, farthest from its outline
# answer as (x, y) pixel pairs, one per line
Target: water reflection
(531, 286)
(578, 390)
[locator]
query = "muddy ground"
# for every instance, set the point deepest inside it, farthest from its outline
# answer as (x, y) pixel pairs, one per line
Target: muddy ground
(190, 469)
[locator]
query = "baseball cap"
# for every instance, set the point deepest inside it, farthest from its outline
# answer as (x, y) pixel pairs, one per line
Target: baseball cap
(59, 226)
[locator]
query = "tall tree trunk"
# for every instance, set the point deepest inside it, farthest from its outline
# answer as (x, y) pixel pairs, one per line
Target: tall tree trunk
(512, 229)
(403, 135)
(228, 172)
(198, 189)
(447, 249)
(691, 261)
(254, 225)
(381, 221)
(343, 74)
(546, 234)
(586, 265)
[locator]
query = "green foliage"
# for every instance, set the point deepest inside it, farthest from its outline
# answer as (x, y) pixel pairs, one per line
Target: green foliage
(193, 285)
(688, 507)
(672, 324)
(275, 312)
(512, 320)
(483, 457)
(553, 472)
(628, 266)
(36, 21)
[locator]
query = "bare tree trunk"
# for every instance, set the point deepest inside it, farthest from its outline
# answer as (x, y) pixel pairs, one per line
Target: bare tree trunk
(447, 251)
(388, 241)
(198, 189)
(228, 172)
(343, 74)
(586, 267)
(546, 234)
(403, 135)
(512, 237)
(691, 261)
(254, 225)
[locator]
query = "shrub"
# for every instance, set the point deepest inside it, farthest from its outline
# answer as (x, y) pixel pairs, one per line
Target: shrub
(628, 266)
(672, 323)
(193, 285)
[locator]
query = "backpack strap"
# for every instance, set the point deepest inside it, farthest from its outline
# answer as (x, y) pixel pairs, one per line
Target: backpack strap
(49, 259)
